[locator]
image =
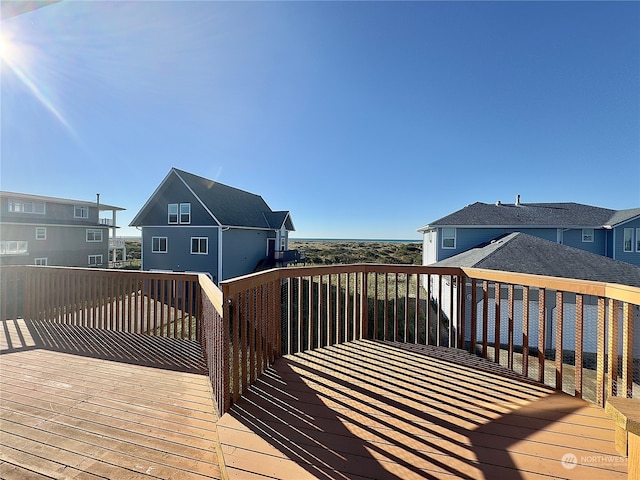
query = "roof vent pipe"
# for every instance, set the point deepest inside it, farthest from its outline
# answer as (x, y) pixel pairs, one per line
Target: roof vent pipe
(517, 200)
(498, 203)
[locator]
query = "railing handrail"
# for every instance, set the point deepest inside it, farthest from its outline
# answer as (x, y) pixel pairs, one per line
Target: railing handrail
(615, 291)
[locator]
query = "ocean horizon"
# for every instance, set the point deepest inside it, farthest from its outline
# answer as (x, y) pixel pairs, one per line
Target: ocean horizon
(386, 240)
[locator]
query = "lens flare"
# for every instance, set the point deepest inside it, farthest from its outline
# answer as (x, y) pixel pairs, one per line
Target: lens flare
(8, 48)
(13, 56)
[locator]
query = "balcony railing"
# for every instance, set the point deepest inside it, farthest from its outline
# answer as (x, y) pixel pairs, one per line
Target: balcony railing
(577, 336)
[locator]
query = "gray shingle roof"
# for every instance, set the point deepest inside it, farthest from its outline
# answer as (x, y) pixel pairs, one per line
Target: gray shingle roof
(230, 206)
(527, 214)
(522, 253)
(622, 216)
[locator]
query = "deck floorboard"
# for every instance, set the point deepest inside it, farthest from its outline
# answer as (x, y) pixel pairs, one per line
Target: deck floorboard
(381, 411)
(80, 413)
(361, 410)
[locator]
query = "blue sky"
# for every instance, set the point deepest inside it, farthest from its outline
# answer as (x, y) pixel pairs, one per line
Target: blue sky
(364, 119)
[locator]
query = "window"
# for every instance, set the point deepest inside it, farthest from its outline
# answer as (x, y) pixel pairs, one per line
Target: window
(185, 213)
(95, 260)
(637, 239)
(16, 206)
(159, 244)
(199, 245)
(448, 238)
(172, 212)
(40, 261)
(14, 247)
(41, 233)
(94, 235)
(80, 212)
(587, 234)
(179, 213)
(628, 240)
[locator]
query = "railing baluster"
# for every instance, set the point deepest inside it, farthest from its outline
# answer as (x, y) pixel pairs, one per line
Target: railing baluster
(627, 350)
(474, 316)
(559, 338)
(612, 350)
(600, 346)
(542, 310)
(497, 332)
(485, 318)
(579, 345)
(525, 331)
(452, 315)
(510, 313)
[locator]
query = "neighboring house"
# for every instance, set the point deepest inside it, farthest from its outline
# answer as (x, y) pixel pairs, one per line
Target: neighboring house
(610, 233)
(39, 230)
(193, 224)
(523, 253)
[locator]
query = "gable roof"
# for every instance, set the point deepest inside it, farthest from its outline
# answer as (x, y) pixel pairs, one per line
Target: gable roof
(567, 214)
(622, 216)
(522, 253)
(228, 206)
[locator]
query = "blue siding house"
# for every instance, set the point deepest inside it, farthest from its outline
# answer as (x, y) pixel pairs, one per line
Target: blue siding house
(193, 224)
(610, 233)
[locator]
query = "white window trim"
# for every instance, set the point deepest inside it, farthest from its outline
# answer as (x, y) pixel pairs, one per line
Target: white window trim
(41, 229)
(21, 207)
(624, 240)
(99, 256)
(206, 239)
(83, 210)
(169, 214)
(14, 247)
(586, 238)
(187, 222)
(455, 234)
(637, 239)
(94, 231)
(44, 261)
(166, 245)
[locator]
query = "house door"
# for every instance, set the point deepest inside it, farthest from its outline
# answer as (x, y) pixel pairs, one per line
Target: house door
(271, 247)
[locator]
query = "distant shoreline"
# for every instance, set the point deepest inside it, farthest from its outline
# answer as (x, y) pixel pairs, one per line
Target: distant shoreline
(332, 240)
(377, 240)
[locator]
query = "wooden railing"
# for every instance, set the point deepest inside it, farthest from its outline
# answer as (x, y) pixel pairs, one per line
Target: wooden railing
(161, 304)
(574, 335)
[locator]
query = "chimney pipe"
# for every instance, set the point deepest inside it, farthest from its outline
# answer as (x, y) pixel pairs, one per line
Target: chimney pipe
(98, 202)
(517, 200)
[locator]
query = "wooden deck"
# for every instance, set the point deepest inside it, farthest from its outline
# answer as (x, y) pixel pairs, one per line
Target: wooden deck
(371, 410)
(83, 403)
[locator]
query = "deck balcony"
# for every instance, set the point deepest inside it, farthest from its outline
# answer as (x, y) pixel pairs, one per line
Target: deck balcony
(337, 372)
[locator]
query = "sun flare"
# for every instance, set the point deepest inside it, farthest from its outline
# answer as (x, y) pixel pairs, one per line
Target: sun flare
(9, 51)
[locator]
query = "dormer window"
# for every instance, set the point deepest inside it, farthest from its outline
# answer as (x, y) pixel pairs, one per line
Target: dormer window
(185, 213)
(173, 213)
(179, 213)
